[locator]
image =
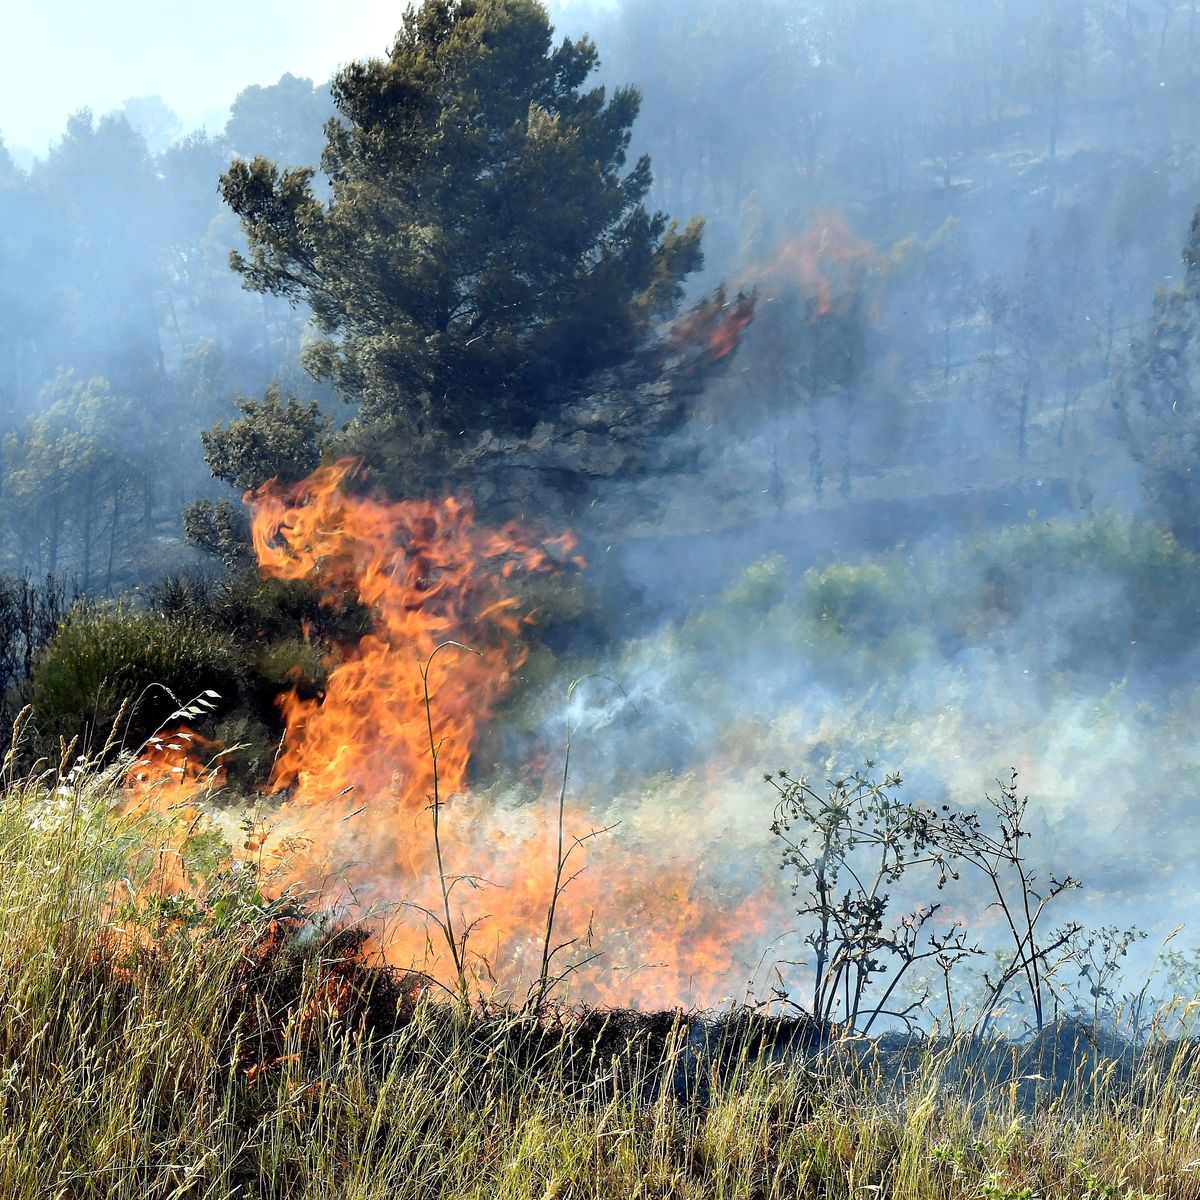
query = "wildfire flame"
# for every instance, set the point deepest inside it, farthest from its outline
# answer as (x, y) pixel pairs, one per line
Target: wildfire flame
(403, 708)
(430, 576)
(715, 325)
(355, 778)
(826, 262)
(173, 770)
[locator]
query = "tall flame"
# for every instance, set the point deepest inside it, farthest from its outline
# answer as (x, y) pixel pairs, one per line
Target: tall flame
(431, 577)
(402, 709)
(398, 720)
(826, 263)
(714, 327)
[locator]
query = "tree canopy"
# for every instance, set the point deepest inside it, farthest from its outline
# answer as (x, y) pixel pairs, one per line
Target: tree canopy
(481, 256)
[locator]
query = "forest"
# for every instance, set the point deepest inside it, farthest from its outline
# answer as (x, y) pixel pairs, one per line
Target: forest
(606, 602)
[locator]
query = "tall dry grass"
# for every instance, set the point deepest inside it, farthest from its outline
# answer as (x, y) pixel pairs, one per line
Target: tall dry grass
(149, 1052)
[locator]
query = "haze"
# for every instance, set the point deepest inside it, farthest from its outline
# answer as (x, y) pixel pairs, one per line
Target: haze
(61, 57)
(932, 505)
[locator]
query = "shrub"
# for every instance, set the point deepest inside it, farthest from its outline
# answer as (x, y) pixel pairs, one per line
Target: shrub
(102, 657)
(1103, 596)
(279, 633)
(250, 608)
(760, 587)
(851, 599)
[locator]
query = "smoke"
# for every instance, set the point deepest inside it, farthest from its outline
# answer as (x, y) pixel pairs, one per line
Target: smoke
(1043, 648)
(910, 530)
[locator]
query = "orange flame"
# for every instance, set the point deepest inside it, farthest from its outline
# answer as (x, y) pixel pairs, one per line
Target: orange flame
(715, 326)
(359, 760)
(173, 773)
(173, 769)
(432, 578)
(355, 775)
(826, 262)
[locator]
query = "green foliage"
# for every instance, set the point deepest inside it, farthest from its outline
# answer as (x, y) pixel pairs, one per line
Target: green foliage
(851, 600)
(1126, 581)
(279, 635)
(1090, 595)
(102, 658)
(284, 663)
(220, 528)
(270, 439)
(252, 743)
(484, 256)
(254, 610)
(283, 120)
(760, 587)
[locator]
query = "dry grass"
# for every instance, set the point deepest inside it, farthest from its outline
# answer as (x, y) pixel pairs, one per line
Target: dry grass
(174, 1059)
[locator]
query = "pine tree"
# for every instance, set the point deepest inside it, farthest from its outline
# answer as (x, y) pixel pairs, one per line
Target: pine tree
(476, 256)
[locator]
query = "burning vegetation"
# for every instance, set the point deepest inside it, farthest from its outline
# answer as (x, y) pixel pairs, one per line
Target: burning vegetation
(368, 803)
(239, 1045)
(417, 841)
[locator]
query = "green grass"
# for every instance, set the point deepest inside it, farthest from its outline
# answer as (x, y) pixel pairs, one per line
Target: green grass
(195, 1050)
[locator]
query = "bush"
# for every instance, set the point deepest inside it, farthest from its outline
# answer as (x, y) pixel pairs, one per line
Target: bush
(1099, 597)
(851, 599)
(251, 609)
(102, 657)
(760, 587)
(277, 633)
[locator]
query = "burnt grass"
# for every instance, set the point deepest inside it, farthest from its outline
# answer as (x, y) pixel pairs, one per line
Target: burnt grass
(290, 1000)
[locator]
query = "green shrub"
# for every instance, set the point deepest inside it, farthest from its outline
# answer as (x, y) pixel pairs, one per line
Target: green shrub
(1103, 596)
(1111, 583)
(760, 587)
(279, 666)
(851, 599)
(102, 657)
(251, 609)
(252, 747)
(277, 632)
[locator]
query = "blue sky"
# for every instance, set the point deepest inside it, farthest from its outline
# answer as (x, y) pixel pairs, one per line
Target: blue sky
(58, 56)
